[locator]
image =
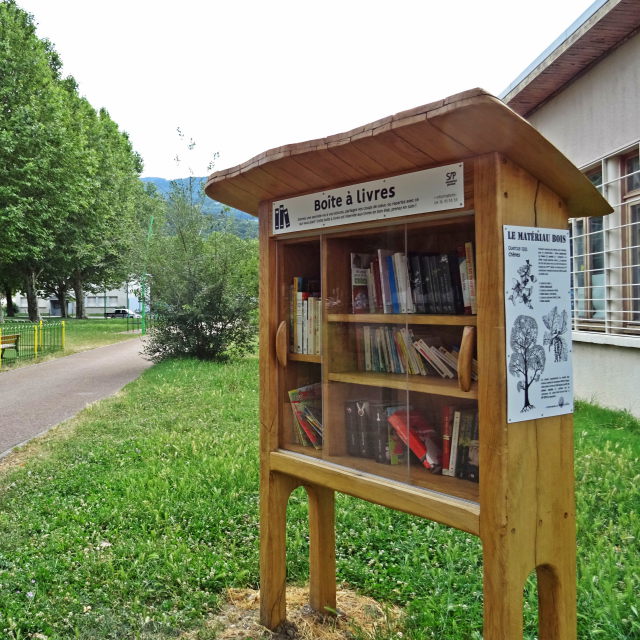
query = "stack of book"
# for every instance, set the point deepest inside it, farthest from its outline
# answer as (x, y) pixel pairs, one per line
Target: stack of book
(442, 361)
(386, 432)
(397, 282)
(390, 433)
(387, 349)
(306, 405)
(305, 310)
(460, 449)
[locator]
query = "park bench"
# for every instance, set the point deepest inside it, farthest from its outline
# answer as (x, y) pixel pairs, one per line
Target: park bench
(9, 341)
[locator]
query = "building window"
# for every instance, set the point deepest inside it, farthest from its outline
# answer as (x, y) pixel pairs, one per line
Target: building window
(605, 252)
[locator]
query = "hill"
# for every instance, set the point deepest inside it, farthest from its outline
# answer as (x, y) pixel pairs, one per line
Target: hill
(246, 225)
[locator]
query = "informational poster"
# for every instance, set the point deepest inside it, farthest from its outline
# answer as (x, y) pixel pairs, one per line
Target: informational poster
(538, 322)
(425, 191)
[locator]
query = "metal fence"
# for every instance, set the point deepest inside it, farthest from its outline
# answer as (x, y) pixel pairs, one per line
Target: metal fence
(30, 339)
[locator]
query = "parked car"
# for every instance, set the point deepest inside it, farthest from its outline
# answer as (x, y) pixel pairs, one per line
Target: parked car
(122, 313)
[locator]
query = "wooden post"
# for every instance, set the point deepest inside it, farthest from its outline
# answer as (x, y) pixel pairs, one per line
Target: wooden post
(526, 491)
(322, 549)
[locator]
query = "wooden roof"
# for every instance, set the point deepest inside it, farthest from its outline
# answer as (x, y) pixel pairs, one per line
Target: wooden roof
(461, 126)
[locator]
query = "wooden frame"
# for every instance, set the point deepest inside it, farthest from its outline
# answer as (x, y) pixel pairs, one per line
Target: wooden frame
(523, 507)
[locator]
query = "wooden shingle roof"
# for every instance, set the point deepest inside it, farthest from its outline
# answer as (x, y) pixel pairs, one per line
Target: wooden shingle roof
(460, 126)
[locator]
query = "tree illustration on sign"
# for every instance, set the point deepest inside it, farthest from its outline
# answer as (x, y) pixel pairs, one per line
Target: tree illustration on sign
(527, 358)
(557, 325)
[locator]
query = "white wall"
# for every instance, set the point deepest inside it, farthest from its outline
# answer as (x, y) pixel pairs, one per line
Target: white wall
(607, 375)
(600, 112)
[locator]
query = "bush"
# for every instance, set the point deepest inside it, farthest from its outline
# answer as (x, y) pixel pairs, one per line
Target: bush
(204, 286)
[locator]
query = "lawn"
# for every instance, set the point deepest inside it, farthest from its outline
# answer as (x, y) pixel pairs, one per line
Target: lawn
(80, 336)
(131, 520)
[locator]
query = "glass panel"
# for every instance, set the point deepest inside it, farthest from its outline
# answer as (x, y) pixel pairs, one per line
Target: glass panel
(596, 268)
(632, 171)
(634, 243)
(395, 316)
(299, 308)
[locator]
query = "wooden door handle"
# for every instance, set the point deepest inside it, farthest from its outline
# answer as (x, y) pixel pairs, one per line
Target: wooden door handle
(282, 343)
(465, 357)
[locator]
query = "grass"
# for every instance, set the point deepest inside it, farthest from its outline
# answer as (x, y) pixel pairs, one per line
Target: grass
(81, 335)
(132, 519)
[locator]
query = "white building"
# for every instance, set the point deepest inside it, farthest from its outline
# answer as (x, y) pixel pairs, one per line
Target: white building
(583, 94)
(95, 304)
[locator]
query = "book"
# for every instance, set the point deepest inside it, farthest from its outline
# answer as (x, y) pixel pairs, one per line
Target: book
(419, 436)
(471, 275)
(351, 428)
(446, 428)
(365, 438)
(306, 405)
(393, 287)
(387, 305)
(359, 282)
(455, 436)
(415, 277)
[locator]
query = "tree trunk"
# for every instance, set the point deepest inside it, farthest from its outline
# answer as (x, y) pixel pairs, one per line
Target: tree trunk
(8, 294)
(79, 291)
(61, 292)
(31, 285)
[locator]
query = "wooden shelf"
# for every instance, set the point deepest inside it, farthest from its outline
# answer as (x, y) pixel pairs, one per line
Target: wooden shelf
(304, 357)
(447, 500)
(422, 384)
(404, 318)
(414, 474)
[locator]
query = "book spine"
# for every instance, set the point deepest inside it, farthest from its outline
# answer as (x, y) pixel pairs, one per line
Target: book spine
(447, 420)
(365, 444)
(384, 281)
(462, 269)
(471, 275)
(398, 421)
(455, 436)
(380, 433)
(351, 427)
(417, 283)
(393, 286)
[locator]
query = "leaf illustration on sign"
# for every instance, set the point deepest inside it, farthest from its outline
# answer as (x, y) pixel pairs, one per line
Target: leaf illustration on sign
(557, 324)
(522, 290)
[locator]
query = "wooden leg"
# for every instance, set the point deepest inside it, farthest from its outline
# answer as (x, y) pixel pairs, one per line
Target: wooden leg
(322, 548)
(274, 496)
(557, 601)
(503, 596)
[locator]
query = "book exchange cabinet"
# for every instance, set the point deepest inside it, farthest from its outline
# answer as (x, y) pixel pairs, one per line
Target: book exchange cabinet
(401, 360)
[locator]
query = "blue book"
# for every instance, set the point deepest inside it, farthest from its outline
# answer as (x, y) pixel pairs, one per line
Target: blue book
(393, 285)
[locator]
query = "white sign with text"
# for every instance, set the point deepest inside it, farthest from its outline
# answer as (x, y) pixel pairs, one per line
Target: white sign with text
(538, 322)
(425, 191)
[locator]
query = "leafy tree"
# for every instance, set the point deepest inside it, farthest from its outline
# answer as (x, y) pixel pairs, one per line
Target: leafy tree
(204, 284)
(33, 149)
(527, 357)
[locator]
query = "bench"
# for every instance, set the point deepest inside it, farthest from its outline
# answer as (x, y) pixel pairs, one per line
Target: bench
(9, 341)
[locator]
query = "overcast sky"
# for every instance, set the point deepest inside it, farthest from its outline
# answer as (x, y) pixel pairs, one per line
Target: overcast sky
(243, 77)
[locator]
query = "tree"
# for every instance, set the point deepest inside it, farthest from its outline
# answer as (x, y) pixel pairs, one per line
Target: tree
(527, 357)
(204, 283)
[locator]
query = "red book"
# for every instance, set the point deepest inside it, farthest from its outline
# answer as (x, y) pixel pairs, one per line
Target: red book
(419, 436)
(447, 421)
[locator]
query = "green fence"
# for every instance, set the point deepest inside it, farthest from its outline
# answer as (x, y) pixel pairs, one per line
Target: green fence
(30, 339)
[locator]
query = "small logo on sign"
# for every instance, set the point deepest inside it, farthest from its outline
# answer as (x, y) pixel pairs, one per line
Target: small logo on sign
(451, 179)
(281, 217)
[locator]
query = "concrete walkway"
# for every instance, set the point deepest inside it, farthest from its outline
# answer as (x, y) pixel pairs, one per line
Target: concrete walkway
(35, 398)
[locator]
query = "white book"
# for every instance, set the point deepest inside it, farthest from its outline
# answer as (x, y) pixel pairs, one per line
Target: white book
(453, 456)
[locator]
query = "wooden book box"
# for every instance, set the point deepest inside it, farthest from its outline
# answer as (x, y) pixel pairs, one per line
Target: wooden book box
(343, 357)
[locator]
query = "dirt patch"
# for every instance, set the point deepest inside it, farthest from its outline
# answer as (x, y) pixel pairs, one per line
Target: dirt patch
(358, 617)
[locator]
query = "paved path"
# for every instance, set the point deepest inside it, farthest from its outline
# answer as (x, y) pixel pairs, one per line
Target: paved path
(35, 398)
